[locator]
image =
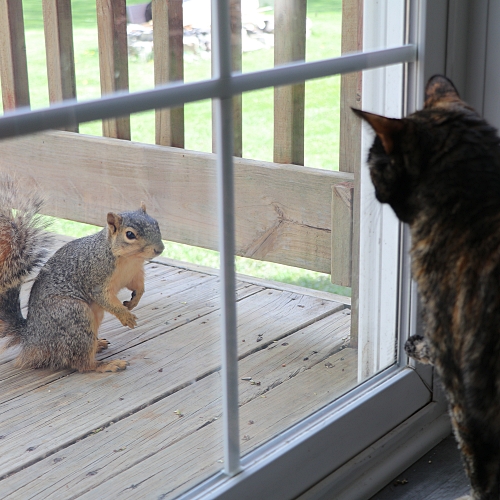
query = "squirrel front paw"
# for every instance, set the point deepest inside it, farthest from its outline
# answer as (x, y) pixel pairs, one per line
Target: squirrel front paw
(128, 319)
(130, 304)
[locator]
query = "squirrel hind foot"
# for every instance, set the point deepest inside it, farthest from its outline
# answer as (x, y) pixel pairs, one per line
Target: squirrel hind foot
(102, 344)
(114, 365)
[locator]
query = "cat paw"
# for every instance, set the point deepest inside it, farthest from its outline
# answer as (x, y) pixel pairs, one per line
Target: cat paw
(417, 347)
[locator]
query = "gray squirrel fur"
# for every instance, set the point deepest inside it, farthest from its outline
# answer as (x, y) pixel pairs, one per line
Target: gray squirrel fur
(75, 286)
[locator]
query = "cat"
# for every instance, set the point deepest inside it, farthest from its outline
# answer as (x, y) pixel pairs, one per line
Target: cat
(439, 170)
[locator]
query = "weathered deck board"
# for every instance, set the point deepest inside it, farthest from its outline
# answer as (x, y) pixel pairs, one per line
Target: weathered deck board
(160, 319)
(157, 428)
(147, 479)
(177, 351)
(65, 434)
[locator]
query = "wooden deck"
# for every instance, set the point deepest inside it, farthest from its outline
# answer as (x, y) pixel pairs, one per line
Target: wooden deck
(154, 430)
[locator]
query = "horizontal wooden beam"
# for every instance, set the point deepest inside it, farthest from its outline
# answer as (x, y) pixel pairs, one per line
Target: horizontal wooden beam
(282, 213)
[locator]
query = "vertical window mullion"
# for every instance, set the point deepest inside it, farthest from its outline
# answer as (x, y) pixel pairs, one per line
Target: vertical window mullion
(221, 39)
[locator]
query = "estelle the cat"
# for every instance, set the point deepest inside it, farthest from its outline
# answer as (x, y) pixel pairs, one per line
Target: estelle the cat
(439, 169)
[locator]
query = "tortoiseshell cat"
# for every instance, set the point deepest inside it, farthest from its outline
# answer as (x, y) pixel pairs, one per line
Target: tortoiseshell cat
(439, 169)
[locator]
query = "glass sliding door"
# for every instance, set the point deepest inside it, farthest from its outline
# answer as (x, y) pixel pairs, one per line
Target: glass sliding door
(299, 383)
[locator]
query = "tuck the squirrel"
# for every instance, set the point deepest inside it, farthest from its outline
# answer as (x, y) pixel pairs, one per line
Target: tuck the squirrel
(75, 286)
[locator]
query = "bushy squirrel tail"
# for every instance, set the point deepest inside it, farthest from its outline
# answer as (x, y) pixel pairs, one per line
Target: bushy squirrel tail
(23, 247)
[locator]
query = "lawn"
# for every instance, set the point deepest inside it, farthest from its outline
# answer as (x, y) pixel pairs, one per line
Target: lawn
(321, 114)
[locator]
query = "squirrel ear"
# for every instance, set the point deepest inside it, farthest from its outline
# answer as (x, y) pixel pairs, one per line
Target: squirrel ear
(143, 206)
(114, 222)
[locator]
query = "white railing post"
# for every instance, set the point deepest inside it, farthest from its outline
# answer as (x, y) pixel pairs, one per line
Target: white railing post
(221, 38)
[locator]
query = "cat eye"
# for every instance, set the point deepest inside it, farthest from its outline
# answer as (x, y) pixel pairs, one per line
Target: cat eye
(130, 235)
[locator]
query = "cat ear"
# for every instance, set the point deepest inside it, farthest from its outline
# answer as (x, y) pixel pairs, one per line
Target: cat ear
(440, 90)
(385, 128)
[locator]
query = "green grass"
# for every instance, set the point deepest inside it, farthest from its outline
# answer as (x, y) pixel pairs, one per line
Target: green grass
(322, 96)
(322, 113)
(84, 13)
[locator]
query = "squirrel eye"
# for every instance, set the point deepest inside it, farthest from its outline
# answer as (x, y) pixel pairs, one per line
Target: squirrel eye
(130, 235)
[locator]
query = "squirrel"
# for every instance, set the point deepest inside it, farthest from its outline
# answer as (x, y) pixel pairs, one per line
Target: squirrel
(74, 287)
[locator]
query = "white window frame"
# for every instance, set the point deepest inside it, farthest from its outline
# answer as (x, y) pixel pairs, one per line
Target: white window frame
(379, 227)
(357, 443)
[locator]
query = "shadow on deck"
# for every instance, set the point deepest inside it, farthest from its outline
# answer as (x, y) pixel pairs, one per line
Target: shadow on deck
(154, 430)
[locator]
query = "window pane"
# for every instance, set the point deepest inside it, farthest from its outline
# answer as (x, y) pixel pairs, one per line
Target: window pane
(311, 348)
(300, 344)
(155, 428)
(296, 347)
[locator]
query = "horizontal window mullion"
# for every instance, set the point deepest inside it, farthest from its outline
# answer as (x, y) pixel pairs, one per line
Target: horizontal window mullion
(71, 112)
(301, 71)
